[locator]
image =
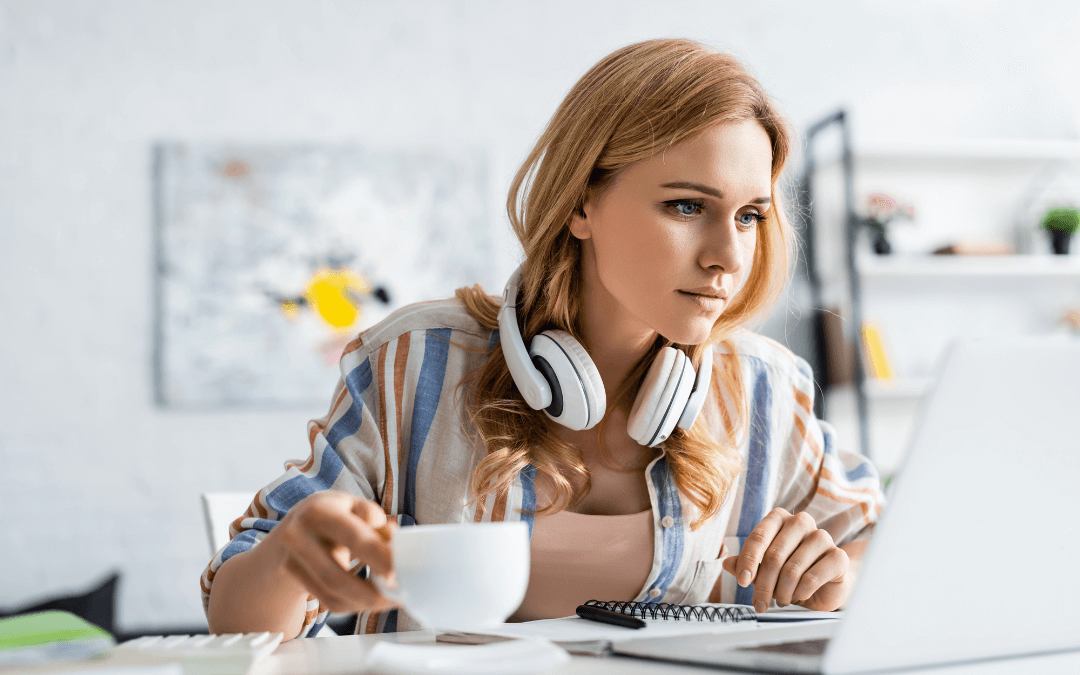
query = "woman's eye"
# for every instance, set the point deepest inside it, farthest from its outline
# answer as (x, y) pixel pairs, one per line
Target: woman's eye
(750, 219)
(686, 207)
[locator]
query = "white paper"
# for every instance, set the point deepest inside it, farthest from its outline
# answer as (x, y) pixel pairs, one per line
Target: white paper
(517, 657)
(576, 629)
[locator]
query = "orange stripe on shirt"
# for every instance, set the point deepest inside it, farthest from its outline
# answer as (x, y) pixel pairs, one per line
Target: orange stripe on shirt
(234, 527)
(832, 478)
(808, 438)
(372, 623)
(356, 343)
(388, 486)
(315, 429)
(846, 500)
(803, 400)
(259, 508)
(401, 360)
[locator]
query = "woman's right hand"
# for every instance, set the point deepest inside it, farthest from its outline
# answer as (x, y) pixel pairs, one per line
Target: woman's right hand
(318, 538)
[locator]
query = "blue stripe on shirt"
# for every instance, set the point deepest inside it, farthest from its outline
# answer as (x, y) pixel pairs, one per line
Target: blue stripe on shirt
(667, 498)
(862, 471)
(357, 382)
(390, 623)
(757, 465)
(284, 497)
(428, 392)
(528, 496)
(240, 543)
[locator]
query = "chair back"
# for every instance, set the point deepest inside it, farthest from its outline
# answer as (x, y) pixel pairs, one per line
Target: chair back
(220, 509)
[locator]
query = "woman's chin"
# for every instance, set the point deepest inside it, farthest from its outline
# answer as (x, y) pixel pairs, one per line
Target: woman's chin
(690, 333)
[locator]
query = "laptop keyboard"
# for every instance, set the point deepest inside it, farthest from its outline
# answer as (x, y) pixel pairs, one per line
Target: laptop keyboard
(800, 648)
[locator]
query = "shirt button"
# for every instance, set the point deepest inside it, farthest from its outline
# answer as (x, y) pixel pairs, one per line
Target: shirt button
(654, 592)
(667, 521)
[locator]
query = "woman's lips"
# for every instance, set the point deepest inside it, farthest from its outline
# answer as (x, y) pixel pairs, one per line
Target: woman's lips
(708, 291)
(707, 301)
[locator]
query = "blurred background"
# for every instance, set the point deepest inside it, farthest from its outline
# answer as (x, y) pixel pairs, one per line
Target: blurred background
(201, 202)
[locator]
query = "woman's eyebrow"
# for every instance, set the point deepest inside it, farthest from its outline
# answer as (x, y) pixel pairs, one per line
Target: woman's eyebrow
(705, 189)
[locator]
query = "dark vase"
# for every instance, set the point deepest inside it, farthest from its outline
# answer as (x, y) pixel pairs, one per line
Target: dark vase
(1060, 241)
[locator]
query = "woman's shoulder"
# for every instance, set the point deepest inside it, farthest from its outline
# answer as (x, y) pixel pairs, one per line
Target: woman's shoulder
(757, 352)
(446, 320)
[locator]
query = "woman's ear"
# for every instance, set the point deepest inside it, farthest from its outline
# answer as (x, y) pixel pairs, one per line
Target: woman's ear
(579, 222)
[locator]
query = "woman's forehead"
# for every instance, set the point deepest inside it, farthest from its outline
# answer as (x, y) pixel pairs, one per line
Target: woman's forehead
(733, 158)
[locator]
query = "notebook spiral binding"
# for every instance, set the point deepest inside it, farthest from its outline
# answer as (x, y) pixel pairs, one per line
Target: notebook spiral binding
(666, 610)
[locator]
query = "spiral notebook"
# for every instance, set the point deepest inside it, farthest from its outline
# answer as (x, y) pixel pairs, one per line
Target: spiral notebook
(662, 620)
(715, 612)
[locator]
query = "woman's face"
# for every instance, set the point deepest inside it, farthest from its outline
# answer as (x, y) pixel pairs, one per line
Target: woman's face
(673, 236)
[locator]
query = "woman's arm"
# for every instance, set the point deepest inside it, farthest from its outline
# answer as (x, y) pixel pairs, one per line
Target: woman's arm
(308, 552)
(253, 593)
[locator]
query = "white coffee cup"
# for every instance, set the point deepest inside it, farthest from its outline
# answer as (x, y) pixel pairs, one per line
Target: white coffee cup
(462, 577)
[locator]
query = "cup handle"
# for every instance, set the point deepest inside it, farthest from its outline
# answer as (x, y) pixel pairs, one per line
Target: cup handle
(390, 591)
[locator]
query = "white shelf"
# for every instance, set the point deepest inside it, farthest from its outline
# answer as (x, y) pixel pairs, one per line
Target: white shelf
(895, 389)
(951, 266)
(908, 387)
(968, 149)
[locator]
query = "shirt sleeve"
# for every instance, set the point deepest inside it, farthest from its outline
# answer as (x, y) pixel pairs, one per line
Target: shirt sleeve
(347, 454)
(841, 490)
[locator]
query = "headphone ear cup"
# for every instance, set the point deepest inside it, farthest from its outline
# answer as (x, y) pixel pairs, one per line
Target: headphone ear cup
(577, 384)
(649, 405)
(662, 398)
(696, 401)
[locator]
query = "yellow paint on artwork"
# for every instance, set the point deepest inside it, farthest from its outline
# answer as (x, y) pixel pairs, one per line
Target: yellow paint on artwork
(290, 309)
(334, 295)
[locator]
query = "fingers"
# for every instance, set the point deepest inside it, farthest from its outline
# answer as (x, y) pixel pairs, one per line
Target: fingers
(787, 540)
(832, 567)
(730, 564)
(319, 537)
(757, 542)
(324, 578)
(798, 565)
(344, 520)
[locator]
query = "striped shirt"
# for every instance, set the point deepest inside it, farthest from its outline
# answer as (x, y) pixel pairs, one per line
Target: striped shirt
(397, 433)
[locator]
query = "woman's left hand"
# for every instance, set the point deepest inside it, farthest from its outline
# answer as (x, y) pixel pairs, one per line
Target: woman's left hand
(788, 558)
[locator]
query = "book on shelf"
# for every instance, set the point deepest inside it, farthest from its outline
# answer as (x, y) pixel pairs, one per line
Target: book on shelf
(878, 364)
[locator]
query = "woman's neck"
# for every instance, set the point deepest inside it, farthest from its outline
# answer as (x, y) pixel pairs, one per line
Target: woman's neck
(615, 339)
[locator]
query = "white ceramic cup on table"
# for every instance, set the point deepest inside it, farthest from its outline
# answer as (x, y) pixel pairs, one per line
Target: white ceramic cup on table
(463, 577)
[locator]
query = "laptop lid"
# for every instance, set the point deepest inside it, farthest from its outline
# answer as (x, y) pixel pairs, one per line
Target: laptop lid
(976, 554)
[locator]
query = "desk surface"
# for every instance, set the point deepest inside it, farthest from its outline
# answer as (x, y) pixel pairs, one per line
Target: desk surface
(345, 654)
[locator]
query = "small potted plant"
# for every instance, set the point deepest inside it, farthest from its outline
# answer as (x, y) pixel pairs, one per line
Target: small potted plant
(1061, 223)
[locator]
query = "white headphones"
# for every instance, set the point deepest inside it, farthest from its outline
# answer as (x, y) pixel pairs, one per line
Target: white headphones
(556, 374)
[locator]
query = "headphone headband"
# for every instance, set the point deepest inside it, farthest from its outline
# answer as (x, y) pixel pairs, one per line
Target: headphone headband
(531, 383)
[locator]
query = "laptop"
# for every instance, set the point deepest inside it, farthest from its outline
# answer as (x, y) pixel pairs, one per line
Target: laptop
(975, 556)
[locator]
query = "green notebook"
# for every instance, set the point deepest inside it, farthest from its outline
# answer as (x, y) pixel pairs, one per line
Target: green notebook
(50, 636)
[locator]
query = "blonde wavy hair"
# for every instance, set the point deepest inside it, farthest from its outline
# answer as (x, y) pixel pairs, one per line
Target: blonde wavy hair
(630, 106)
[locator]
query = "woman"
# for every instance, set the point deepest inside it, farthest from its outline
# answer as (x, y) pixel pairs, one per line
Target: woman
(652, 227)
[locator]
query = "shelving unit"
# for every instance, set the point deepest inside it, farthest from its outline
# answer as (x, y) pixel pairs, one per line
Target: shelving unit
(951, 266)
(963, 190)
(899, 388)
(1005, 149)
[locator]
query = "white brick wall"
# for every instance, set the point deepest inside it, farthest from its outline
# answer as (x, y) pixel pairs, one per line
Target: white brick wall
(95, 477)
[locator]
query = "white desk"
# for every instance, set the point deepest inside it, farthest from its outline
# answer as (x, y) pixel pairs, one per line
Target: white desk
(345, 655)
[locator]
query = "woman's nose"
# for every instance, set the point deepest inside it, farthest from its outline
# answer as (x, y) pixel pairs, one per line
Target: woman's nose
(722, 247)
